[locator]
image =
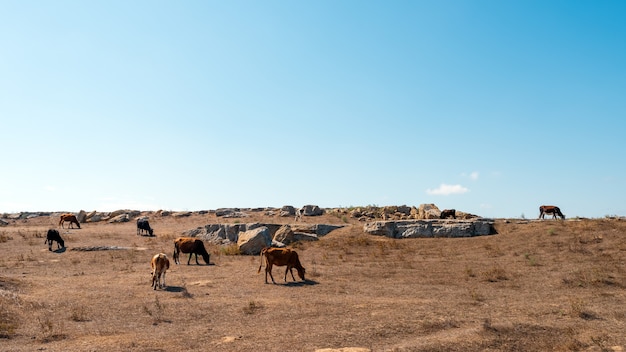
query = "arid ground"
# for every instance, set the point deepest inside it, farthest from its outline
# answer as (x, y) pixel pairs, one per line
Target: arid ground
(535, 286)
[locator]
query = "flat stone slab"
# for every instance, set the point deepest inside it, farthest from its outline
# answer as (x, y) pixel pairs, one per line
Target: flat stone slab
(431, 228)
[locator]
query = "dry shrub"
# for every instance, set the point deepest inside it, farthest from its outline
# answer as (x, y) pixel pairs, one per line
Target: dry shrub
(252, 307)
(9, 316)
(231, 249)
(592, 277)
(495, 274)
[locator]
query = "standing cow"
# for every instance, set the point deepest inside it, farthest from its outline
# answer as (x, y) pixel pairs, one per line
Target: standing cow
(192, 246)
(53, 235)
(550, 209)
(281, 257)
(159, 264)
(71, 218)
(144, 226)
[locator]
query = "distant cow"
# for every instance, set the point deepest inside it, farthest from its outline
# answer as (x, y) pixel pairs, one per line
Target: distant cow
(550, 209)
(71, 218)
(144, 226)
(448, 213)
(53, 235)
(281, 257)
(192, 246)
(159, 264)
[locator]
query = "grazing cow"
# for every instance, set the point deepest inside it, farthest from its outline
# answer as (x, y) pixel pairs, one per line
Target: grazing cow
(159, 264)
(71, 218)
(53, 235)
(281, 257)
(144, 226)
(192, 246)
(448, 213)
(550, 209)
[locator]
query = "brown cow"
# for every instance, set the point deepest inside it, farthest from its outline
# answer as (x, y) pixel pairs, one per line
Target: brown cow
(159, 264)
(281, 257)
(448, 213)
(71, 218)
(550, 209)
(192, 246)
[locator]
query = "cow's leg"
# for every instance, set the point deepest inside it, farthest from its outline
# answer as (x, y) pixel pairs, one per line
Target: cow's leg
(163, 278)
(50, 245)
(290, 269)
(189, 260)
(268, 269)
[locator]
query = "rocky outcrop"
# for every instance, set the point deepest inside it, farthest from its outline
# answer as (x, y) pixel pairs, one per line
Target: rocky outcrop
(431, 228)
(280, 235)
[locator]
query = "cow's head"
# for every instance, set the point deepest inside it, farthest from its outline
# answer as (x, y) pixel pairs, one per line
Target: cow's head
(301, 272)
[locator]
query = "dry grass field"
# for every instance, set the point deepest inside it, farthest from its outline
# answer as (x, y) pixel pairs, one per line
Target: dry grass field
(535, 286)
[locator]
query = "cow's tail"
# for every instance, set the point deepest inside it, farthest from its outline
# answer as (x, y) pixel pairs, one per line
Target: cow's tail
(261, 256)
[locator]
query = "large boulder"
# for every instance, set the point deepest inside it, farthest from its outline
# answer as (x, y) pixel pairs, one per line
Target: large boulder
(253, 241)
(312, 210)
(284, 235)
(81, 216)
(428, 211)
(287, 211)
(120, 218)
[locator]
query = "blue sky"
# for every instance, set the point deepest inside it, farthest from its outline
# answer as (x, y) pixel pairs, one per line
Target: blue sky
(489, 107)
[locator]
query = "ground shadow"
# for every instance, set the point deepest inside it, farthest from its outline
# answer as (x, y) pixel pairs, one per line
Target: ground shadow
(300, 283)
(60, 250)
(176, 289)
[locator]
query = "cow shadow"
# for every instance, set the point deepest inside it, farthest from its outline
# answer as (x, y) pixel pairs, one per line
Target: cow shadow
(175, 289)
(300, 283)
(60, 250)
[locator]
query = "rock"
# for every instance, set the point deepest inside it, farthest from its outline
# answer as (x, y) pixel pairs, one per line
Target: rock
(312, 210)
(287, 210)
(119, 218)
(428, 211)
(253, 241)
(81, 216)
(115, 213)
(431, 228)
(284, 235)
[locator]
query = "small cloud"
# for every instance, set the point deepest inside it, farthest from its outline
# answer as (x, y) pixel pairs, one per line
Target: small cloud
(472, 175)
(486, 206)
(445, 190)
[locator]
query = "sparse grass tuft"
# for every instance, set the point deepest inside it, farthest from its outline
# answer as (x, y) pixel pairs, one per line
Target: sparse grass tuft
(157, 311)
(252, 307)
(231, 249)
(495, 274)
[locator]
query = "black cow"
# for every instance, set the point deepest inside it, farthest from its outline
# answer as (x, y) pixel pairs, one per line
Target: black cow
(53, 235)
(143, 225)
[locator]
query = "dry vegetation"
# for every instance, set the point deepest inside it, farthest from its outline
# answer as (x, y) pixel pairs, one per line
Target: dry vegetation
(536, 286)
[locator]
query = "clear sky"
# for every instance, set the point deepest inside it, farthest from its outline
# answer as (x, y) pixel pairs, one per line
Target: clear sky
(490, 107)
